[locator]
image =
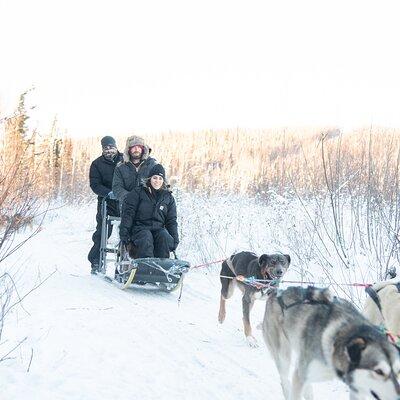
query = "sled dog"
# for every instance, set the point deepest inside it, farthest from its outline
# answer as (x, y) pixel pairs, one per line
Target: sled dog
(247, 264)
(330, 339)
(382, 306)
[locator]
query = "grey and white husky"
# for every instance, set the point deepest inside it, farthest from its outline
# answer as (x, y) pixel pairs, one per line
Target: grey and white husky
(328, 338)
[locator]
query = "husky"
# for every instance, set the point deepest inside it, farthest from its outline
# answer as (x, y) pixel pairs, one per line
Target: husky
(382, 306)
(244, 265)
(329, 339)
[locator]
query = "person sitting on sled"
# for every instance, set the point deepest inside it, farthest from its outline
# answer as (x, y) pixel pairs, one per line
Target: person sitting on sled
(148, 219)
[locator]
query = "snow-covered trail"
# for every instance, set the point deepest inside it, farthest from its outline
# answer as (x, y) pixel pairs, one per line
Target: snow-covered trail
(92, 341)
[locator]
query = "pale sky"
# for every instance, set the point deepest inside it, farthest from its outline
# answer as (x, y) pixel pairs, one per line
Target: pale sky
(124, 65)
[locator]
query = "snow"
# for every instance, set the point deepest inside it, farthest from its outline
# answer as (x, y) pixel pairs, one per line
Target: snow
(89, 340)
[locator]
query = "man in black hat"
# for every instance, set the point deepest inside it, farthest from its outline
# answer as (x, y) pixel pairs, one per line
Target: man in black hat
(101, 177)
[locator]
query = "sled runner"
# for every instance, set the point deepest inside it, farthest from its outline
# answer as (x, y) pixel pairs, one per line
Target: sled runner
(117, 266)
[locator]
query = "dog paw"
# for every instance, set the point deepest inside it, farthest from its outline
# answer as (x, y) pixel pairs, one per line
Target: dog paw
(221, 317)
(251, 341)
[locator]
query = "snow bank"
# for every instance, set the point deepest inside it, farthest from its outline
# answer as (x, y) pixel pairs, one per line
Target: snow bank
(86, 339)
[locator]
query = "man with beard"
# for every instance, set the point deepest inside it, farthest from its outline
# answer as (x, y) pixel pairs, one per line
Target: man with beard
(134, 169)
(100, 177)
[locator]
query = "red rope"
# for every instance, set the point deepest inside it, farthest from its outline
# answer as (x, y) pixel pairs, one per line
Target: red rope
(327, 284)
(299, 282)
(209, 263)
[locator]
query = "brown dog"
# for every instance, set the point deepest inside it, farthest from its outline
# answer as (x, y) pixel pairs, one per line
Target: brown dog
(245, 265)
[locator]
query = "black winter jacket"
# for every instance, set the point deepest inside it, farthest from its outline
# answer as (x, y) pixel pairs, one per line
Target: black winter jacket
(101, 174)
(127, 177)
(141, 211)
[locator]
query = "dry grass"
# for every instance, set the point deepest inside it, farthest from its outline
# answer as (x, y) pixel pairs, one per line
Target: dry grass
(257, 161)
(229, 161)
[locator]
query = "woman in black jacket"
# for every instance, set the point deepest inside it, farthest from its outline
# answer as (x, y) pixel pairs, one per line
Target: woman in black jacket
(149, 218)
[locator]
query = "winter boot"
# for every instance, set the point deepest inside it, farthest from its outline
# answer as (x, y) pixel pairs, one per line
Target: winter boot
(95, 269)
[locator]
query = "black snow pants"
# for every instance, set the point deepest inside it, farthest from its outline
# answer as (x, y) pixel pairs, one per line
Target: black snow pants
(153, 243)
(112, 210)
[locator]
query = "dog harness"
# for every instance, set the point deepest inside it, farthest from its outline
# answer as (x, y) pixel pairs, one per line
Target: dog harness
(252, 280)
(307, 297)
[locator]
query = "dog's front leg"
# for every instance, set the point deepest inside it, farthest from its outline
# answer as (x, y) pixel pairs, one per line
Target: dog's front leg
(222, 310)
(297, 387)
(247, 303)
(227, 289)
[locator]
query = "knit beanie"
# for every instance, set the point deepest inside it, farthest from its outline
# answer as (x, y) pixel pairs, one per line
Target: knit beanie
(158, 169)
(108, 141)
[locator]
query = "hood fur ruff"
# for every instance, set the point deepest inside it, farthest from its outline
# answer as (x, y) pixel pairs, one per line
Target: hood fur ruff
(136, 140)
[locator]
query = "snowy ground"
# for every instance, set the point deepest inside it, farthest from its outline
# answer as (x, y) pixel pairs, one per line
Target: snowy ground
(88, 340)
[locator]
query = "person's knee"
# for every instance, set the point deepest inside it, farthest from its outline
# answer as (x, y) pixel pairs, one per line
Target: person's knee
(143, 239)
(143, 236)
(165, 239)
(163, 235)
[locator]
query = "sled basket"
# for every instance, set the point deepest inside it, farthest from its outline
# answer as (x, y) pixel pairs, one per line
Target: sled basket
(159, 270)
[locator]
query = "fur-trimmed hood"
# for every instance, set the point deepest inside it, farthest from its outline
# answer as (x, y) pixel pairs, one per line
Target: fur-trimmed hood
(136, 140)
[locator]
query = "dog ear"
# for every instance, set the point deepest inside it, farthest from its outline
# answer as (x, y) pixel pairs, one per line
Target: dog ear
(288, 258)
(263, 260)
(354, 349)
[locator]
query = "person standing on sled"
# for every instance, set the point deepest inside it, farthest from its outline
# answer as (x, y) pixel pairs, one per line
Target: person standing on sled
(100, 178)
(148, 218)
(135, 167)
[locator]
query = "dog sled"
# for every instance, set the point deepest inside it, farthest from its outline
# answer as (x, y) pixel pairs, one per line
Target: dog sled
(118, 266)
